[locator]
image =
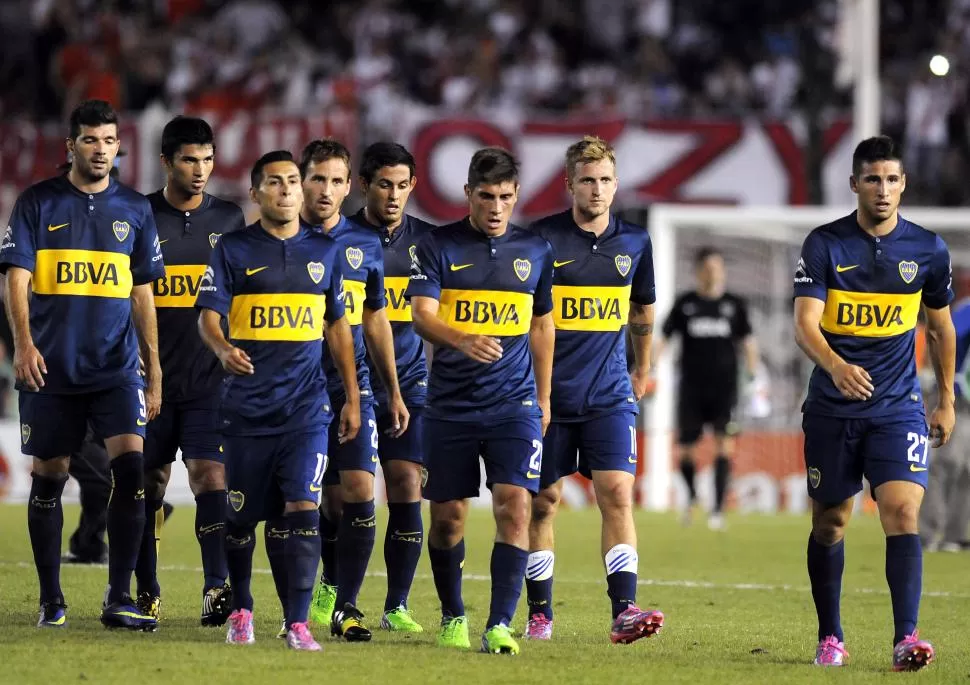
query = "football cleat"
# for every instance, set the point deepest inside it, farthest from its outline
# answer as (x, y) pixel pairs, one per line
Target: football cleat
(323, 604)
(635, 623)
(240, 628)
(216, 606)
(912, 654)
(298, 637)
(52, 615)
(830, 652)
(498, 640)
(538, 628)
(400, 620)
(348, 623)
(150, 605)
(125, 613)
(454, 632)
(283, 631)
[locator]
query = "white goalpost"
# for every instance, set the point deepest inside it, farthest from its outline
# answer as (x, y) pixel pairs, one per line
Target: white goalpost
(760, 247)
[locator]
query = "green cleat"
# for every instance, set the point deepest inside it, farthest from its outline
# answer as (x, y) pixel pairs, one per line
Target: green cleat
(498, 640)
(322, 606)
(400, 620)
(454, 632)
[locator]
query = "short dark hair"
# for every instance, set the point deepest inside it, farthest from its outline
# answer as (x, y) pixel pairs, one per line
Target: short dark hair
(875, 149)
(256, 175)
(91, 113)
(317, 151)
(184, 130)
(704, 252)
(492, 165)
(382, 154)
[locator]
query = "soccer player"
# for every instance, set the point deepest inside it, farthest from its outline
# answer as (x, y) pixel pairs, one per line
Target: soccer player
(281, 289)
(348, 523)
(481, 294)
(714, 330)
(859, 286)
(603, 280)
(387, 179)
(190, 222)
(80, 255)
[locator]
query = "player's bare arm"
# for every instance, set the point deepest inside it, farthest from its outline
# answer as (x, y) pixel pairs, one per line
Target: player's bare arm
(852, 381)
(481, 348)
(941, 342)
(542, 344)
(233, 359)
(28, 362)
(380, 344)
(641, 335)
(146, 324)
(749, 345)
(340, 340)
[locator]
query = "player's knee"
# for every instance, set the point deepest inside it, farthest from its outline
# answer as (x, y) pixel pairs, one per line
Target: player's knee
(156, 483)
(900, 518)
(545, 505)
(828, 527)
(207, 476)
(447, 526)
(513, 511)
(51, 468)
(615, 497)
(403, 482)
(356, 486)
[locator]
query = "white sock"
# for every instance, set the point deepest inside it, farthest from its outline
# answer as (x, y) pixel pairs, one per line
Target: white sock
(621, 558)
(540, 565)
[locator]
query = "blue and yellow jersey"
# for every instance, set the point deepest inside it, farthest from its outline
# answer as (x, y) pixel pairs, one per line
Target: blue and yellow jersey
(86, 251)
(276, 295)
(412, 369)
(362, 266)
(189, 369)
(485, 286)
(594, 282)
(872, 288)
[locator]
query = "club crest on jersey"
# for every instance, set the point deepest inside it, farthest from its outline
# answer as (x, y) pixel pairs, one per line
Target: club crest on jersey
(523, 267)
(413, 252)
(213, 239)
(907, 271)
(24, 433)
(236, 500)
(623, 263)
(121, 230)
(316, 271)
(814, 476)
(355, 257)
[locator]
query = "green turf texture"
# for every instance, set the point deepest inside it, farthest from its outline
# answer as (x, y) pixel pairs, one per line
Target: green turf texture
(737, 606)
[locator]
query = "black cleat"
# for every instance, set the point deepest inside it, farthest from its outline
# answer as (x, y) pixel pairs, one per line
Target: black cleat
(348, 623)
(216, 606)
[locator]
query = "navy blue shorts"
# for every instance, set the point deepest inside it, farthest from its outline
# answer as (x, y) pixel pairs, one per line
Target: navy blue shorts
(606, 443)
(191, 426)
(263, 472)
(54, 425)
(360, 454)
(511, 450)
(408, 447)
(839, 452)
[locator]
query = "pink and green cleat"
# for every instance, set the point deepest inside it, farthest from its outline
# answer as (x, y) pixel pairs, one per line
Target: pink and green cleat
(240, 628)
(830, 652)
(912, 654)
(298, 637)
(635, 623)
(538, 628)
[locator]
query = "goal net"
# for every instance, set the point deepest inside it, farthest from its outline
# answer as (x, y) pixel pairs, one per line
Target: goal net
(760, 247)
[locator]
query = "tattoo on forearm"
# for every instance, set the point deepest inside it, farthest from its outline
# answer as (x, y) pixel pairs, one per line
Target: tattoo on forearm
(641, 329)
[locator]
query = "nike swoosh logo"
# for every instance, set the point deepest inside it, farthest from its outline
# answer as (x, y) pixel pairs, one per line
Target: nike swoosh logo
(139, 422)
(373, 458)
(51, 227)
(841, 268)
(162, 242)
(532, 476)
(917, 469)
(558, 264)
(631, 460)
(252, 272)
(459, 267)
(315, 488)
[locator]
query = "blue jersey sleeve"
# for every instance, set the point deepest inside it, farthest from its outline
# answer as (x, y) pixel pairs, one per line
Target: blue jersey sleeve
(812, 267)
(542, 300)
(644, 290)
(374, 288)
(938, 290)
(19, 247)
(335, 294)
(146, 253)
(216, 287)
(425, 278)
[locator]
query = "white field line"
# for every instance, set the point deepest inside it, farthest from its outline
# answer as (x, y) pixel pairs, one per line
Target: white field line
(653, 582)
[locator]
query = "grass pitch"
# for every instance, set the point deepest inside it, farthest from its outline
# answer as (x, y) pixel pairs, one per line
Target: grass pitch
(737, 605)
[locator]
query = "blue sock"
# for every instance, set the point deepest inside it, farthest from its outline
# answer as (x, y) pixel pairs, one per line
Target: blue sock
(275, 533)
(402, 550)
(538, 582)
(328, 549)
(210, 524)
(146, 568)
(126, 522)
(240, 543)
(355, 542)
(904, 573)
(825, 566)
(508, 572)
(622, 562)
(446, 567)
(45, 524)
(302, 548)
